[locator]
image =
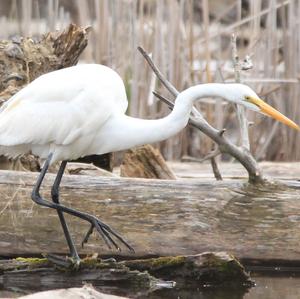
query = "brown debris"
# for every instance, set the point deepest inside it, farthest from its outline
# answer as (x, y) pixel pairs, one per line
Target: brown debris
(146, 162)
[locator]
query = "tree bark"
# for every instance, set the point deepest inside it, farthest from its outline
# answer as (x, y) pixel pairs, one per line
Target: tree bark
(157, 217)
(128, 277)
(25, 59)
(145, 162)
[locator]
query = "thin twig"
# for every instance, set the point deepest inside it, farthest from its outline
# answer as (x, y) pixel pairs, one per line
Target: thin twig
(211, 155)
(164, 81)
(159, 75)
(163, 99)
(215, 168)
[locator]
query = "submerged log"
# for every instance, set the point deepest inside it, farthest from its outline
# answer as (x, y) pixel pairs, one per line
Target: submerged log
(145, 162)
(158, 217)
(208, 268)
(198, 271)
(32, 274)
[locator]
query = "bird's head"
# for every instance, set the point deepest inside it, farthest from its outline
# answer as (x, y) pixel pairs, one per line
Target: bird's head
(245, 96)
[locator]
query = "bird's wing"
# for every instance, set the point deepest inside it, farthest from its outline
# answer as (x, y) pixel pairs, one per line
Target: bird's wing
(60, 122)
(62, 105)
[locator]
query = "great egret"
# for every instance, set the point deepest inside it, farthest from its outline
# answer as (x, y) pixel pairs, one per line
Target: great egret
(80, 111)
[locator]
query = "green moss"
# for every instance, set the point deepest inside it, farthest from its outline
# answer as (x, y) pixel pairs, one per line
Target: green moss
(155, 263)
(31, 260)
(91, 262)
(167, 261)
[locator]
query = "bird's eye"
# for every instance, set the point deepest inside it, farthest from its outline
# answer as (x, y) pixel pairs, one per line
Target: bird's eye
(247, 98)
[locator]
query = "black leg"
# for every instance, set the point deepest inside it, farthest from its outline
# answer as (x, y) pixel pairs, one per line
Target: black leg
(55, 198)
(103, 229)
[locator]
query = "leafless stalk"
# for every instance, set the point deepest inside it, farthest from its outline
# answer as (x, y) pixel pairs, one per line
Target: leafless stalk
(241, 113)
(161, 78)
(224, 145)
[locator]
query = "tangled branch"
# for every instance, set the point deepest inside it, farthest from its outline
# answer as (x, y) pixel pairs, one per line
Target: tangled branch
(196, 120)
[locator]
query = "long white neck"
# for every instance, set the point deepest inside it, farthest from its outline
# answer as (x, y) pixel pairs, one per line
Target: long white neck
(126, 132)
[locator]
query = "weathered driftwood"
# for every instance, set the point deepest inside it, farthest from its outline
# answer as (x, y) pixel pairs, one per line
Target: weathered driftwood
(158, 217)
(25, 59)
(215, 269)
(145, 162)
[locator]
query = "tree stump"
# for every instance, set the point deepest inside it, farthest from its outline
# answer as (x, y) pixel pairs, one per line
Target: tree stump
(145, 162)
(24, 59)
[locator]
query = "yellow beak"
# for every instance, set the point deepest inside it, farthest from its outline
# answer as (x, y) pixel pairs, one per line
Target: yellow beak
(270, 111)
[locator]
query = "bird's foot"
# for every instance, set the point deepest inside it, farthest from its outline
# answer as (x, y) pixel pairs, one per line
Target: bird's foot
(72, 262)
(106, 233)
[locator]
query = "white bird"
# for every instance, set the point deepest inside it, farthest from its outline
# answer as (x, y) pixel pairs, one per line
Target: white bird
(80, 111)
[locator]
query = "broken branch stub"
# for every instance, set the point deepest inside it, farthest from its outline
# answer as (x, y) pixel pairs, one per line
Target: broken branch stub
(241, 154)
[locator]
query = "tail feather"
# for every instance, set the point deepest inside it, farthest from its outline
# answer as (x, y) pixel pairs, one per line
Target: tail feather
(14, 151)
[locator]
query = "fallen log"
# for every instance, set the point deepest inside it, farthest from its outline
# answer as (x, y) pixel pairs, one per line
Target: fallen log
(34, 274)
(158, 217)
(128, 277)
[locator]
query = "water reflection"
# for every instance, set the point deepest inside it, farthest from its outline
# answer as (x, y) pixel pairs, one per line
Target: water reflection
(266, 288)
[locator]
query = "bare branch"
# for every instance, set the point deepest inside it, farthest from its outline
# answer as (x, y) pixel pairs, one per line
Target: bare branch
(215, 168)
(163, 99)
(164, 81)
(225, 146)
(159, 75)
(211, 155)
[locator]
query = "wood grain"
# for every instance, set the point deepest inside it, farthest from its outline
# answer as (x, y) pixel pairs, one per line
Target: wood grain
(158, 217)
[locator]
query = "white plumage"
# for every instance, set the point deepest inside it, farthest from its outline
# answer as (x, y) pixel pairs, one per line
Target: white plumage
(80, 111)
(59, 109)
